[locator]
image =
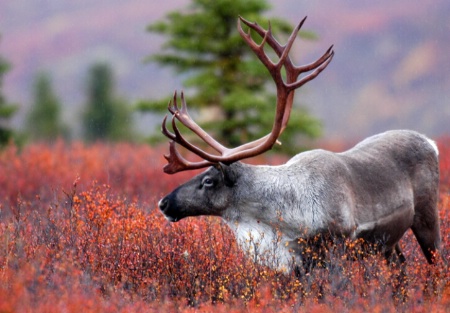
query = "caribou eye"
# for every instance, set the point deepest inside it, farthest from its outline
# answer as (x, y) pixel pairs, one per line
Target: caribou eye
(207, 182)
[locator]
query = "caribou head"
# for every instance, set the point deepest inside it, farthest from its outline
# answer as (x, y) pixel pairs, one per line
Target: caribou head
(377, 190)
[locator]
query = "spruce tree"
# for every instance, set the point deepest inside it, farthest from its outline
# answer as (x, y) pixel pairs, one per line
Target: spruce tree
(225, 81)
(7, 110)
(44, 120)
(106, 116)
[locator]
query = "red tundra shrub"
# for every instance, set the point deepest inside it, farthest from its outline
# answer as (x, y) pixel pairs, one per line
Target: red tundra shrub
(47, 170)
(444, 164)
(80, 231)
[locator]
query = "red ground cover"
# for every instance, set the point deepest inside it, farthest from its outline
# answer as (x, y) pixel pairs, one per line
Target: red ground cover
(80, 232)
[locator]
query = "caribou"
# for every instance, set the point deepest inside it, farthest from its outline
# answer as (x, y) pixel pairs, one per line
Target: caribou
(377, 190)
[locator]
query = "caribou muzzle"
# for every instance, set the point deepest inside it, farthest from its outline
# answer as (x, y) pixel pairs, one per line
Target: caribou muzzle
(168, 207)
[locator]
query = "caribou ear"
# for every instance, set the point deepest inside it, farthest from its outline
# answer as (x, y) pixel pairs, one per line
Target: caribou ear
(228, 173)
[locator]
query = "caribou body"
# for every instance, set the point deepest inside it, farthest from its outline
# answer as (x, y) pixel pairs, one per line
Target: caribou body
(385, 185)
(377, 190)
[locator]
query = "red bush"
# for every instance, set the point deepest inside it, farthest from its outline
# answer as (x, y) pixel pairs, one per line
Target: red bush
(79, 231)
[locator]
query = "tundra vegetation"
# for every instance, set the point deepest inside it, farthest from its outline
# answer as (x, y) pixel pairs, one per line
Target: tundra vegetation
(80, 231)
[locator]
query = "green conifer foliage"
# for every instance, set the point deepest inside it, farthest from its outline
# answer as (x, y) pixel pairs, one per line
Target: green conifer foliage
(44, 120)
(225, 82)
(106, 117)
(6, 110)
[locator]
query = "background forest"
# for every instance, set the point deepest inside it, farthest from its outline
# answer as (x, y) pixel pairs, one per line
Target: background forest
(391, 68)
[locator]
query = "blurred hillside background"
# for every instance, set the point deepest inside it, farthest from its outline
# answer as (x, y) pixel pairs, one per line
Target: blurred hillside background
(391, 68)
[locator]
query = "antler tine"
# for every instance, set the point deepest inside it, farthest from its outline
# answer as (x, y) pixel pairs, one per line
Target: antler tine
(274, 44)
(290, 42)
(183, 142)
(280, 50)
(308, 67)
(174, 109)
(319, 68)
(173, 106)
(258, 49)
(261, 31)
(165, 131)
(177, 137)
(176, 162)
(184, 117)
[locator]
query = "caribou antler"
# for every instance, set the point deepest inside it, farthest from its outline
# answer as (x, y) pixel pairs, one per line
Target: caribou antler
(285, 96)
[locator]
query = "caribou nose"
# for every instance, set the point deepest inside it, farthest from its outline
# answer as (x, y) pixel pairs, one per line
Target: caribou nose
(163, 204)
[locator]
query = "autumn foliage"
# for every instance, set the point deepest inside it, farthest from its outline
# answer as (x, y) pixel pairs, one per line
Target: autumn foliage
(80, 232)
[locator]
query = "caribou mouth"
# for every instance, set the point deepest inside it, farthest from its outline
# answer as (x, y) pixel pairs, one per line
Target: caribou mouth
(170, 218)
